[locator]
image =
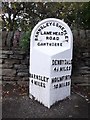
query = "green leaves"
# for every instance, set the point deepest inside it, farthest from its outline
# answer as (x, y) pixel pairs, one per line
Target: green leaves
(27, 14)
(25, 40)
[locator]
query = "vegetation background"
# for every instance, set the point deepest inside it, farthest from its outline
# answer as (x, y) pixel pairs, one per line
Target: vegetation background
(23, 16)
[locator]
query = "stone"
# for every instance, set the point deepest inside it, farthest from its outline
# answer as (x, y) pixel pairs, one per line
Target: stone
(27, 58)
(9, 82)
(0, 61)
(7, 52)
(86, 54)
(84, 84)
(4, 38)
(0, 65)
(19, 52)
(49, 61)
(6, 78)
(0, 51)
(16, 56)
(13, 78)
(82, 34)
(18, 78)
(16, 39)
(87, 62)
(12, 61)
(84, 72)
(23, 83)
(7, 65)
(0, 82)
(25, 61)
(21, 74)
(85, 68)
(9, 37)
(0, 78)
(88, 33)
(20, 66)
(87, 76)
(0, 71)
(4, 56)
(0, 56)
(75, 33)
(26, 78)
(8, 72)
(23, 70)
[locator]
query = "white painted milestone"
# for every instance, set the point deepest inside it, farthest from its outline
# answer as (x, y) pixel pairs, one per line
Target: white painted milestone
(50, 68)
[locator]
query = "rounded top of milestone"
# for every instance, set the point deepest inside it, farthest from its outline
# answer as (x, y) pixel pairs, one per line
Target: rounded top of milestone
(51, 32)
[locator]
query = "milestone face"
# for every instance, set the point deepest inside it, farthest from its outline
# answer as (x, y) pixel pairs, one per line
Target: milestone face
(52, 33)
(50, 61)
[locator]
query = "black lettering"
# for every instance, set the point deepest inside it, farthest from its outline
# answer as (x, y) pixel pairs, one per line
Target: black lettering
(50, 23)
(32, 81)
(66, 37)
(44, 26)
(55, 69)
(65, 32)
(54, 24)
(55, 33)
(47, 79)
(69, 67)
(36, 39)
(35, 82)
(57, 38)
(56, 86)
(60, 44)
(60, 85)
(39, 29)
(43, 85)
(47, 37)
(31, 75)
(38, 44)
(61, 68)
(50, 38)
(62, 28)
(53, 38)
(68, 83)
(47, 24)
(36, 36)
(61, 33)
(37, 32)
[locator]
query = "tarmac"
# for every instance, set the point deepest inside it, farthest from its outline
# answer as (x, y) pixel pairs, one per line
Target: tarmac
(74, 106)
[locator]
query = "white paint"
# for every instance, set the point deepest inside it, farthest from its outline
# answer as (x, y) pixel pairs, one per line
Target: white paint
(41, 62)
